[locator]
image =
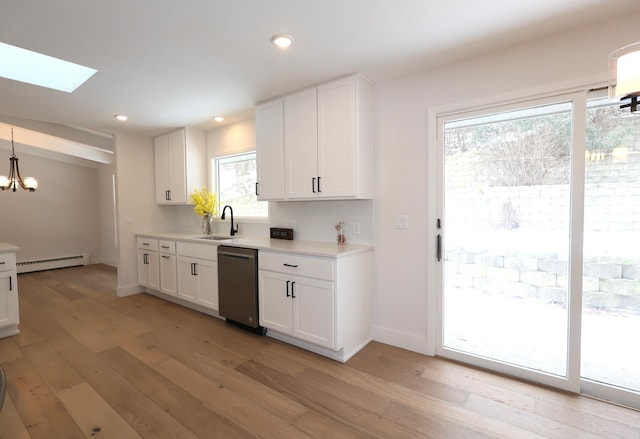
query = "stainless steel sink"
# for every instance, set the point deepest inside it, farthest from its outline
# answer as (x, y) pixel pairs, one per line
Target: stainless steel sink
(212, 237)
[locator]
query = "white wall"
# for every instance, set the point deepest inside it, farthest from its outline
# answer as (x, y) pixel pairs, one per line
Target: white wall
(137, 211)
(60, 219)
(402, 141)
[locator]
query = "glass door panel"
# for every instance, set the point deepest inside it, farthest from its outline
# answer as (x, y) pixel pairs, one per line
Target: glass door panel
(506, 211)
(611, 283)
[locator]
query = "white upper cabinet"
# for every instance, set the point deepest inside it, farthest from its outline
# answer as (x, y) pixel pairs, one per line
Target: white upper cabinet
(345, 139)
(301, 144)
(180, 165)
(270, 150)
(328, 142)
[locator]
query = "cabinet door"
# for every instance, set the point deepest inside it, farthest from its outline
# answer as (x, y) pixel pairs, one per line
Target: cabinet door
(161, 162)
(207, 274)
(314, 311)
(337, 138)
(301, 144)
(148, 269)
(177, 167)
(274, 294)
(8, 298)
(270, 150)
(168, 275)
(187, 279)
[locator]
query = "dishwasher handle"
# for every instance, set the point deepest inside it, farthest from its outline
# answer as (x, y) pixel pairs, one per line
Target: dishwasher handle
(235, 255)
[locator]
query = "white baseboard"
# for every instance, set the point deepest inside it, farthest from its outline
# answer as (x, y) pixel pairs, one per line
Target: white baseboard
(128, 290)
(404, 340)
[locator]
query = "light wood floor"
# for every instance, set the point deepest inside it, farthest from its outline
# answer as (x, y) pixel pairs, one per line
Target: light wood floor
(88, 364)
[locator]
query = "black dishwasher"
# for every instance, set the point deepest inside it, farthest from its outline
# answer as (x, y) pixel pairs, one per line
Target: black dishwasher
(238, 286)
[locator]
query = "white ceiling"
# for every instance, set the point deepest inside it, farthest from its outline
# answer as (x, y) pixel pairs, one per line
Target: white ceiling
(168, 64)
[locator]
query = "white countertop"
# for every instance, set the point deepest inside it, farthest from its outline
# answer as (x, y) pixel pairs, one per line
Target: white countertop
(312, 248)
(5, 247)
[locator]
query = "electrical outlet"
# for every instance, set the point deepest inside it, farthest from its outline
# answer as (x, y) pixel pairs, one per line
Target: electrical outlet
(355, 228)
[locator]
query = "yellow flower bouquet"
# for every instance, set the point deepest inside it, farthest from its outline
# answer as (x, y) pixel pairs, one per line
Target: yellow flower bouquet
(205, 205)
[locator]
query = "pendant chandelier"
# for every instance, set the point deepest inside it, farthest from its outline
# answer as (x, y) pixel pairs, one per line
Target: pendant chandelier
(14, 180)
(624, 75)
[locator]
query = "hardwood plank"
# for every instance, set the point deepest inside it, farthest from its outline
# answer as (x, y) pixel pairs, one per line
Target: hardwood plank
(11, 426)
(55, 371)
(39, 408)
(170, 397)
(341, 412)
(9, 350)
(92, 413)
(243, 411)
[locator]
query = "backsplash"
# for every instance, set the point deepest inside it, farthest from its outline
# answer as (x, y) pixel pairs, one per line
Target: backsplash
(311, 220)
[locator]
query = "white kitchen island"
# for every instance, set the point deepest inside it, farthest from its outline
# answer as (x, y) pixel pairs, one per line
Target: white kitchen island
(9, 313)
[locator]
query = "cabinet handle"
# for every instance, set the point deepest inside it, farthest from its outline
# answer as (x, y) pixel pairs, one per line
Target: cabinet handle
(257, 189)
(293, 296)
(290, 265)
(313, 185)
(194, 269)
(10, 283)
(288, 282)
(319, 185)
(167, 195)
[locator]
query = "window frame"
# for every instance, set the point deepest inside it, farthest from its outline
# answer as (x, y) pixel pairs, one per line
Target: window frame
(213, 181)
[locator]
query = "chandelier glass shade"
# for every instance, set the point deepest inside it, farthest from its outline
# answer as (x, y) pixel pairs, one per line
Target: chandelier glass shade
(624, 75)
(14, 179)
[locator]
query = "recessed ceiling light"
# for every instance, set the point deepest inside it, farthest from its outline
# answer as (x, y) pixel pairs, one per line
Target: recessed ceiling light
(120, 117)
(35, 68)
(218, 119)
(281, 40)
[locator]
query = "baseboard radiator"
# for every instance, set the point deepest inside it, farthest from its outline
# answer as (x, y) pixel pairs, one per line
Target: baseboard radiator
(52, 263)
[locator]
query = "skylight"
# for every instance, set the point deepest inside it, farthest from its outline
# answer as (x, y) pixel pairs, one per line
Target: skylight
(43, 70)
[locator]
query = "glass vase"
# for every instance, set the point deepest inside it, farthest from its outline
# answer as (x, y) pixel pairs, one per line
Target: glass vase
(207, 228)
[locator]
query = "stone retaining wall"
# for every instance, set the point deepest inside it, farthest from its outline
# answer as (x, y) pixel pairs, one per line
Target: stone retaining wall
(605, 285)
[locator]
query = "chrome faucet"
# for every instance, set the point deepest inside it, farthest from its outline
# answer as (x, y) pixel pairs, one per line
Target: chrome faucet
(233, 231)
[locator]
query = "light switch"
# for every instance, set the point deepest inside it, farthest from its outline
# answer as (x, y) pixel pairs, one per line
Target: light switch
(401, 222)
(356, 228)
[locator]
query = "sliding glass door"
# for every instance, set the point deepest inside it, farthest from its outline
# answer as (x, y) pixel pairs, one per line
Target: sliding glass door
(539, 253)
(611, 283)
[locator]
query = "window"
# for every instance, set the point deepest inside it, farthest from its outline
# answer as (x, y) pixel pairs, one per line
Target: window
(234, 179)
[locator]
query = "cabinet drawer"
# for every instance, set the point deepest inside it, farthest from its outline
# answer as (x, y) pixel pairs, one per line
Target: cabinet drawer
(168, 247)
(200, 251)
(7, 261)
(148, 244)
(309, 266)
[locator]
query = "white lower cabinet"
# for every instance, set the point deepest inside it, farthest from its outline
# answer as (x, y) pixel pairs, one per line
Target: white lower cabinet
(298, 306)
(148, 263)
(319, 303)
(168, 268)
(197, 276)
(9, 314)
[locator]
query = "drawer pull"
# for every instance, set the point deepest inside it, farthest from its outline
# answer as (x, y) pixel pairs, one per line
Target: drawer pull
(291, 265)
(165, 246)
(3, 262)
(145, 243)
(166, 257)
